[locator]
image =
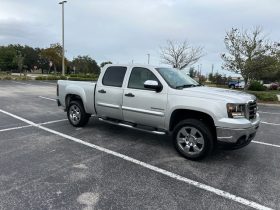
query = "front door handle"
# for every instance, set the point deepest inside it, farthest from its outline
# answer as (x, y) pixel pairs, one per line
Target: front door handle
(101, 91)
(129, 95)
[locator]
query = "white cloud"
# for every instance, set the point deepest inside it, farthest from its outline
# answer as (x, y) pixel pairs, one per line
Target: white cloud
(129, 29)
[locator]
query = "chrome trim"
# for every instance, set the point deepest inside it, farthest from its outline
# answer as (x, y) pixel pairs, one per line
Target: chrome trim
(157, 108)
(254, 115)
(143, 111)
(132, 127)
(231, 135)
(113, 106)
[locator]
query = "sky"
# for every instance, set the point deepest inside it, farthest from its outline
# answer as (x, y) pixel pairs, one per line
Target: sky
(123, 31)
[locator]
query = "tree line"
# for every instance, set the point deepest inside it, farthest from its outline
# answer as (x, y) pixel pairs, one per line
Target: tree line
(23, 58)
(249, 53)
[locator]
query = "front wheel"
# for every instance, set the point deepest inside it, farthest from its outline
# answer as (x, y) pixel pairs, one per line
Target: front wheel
(76, 114)
(193, 139)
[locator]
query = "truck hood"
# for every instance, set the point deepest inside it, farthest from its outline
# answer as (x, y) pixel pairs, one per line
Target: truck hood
(230, 96)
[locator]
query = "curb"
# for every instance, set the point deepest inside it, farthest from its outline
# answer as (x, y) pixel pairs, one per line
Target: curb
(271, 105)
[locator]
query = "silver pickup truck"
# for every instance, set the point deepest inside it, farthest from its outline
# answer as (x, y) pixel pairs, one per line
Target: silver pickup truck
(163, 100)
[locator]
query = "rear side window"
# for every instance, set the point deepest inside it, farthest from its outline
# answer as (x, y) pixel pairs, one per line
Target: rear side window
(114, 76)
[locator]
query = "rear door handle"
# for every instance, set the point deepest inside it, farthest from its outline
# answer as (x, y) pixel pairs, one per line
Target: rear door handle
(129, 95)
(101, 91)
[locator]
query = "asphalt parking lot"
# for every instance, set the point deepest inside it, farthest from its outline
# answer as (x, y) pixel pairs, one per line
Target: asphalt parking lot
(45, 163)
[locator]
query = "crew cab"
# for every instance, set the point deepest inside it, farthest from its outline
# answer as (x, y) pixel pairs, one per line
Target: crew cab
(163, 100)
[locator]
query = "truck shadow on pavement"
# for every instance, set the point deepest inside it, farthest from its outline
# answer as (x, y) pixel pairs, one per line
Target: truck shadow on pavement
(146, 146)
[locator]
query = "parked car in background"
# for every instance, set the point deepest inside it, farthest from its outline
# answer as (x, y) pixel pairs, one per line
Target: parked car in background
(236, 84)
(271, 85)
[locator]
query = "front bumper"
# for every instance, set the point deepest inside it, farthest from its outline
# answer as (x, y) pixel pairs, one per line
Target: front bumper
(237, 136)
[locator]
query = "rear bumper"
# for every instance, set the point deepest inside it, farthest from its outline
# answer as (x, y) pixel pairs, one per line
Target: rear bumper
(237, 136)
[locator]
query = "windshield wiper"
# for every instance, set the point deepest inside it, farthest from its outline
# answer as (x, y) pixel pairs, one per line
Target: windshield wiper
(185, 86)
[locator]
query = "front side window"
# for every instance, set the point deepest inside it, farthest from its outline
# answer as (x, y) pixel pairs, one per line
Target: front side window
(138, 76)
(176, 79)
(114, 76)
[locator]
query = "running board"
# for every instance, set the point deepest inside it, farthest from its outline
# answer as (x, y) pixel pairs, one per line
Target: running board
(132, 127)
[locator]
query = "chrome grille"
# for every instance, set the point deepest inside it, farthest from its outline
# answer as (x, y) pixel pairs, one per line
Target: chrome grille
(252, 110)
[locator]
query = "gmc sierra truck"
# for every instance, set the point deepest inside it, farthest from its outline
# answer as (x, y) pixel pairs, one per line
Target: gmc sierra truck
(163, 100)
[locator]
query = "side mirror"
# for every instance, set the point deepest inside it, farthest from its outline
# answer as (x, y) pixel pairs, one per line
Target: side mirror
(153, 85)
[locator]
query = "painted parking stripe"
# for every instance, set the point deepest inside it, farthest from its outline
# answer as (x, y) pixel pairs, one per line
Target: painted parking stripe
(15, 128)
(27, 126)
(52, 83)
(50, 99)
(22, 83)
(269, 123)
(54, 121)
(267, 144)
(268, 112)
(148, 166)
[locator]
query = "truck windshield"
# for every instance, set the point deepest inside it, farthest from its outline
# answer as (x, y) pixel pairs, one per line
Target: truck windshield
(177, 79)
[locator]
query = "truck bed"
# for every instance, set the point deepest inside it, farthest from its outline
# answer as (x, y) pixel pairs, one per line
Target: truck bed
(84, 89)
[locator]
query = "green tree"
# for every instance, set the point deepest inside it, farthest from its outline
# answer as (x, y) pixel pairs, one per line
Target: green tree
(85, 64)
(105, 63)
(18, 60)
(7, 54)
(193, 72)
(53, 55)
(31, 55)
(244, 50)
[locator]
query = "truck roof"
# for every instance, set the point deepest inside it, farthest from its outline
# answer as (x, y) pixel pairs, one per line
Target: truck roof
(134, 65)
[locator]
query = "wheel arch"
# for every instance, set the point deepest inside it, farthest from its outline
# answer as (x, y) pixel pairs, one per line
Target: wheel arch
(181, 114)
(72, 97)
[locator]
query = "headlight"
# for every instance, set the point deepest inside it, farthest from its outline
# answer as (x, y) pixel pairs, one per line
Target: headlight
(236, 110)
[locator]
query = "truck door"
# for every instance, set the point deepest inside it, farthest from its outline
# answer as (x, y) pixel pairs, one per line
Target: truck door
(142, 105)
(109, 93)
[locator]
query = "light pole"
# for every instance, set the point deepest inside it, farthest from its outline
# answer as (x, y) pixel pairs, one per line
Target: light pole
(148, 58)
(63, 67)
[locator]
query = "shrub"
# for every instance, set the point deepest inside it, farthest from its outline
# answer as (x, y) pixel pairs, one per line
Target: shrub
(51, 78)
(83, 75)
(256, 86)
(80, 79)
(265, 96)
(22, 78)
(7, 78)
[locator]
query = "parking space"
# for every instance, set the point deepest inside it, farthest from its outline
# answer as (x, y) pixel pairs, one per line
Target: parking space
(62, 167)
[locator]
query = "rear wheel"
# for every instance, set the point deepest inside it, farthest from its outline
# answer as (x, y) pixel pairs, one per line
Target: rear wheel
(193, 139)
(76, 114)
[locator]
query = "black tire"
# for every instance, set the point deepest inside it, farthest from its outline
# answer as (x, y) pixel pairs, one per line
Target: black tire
(81, 118)
(201, 130)
(232, 86)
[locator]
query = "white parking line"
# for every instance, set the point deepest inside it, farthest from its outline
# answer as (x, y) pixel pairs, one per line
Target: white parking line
(268, 112)
(51, 99)
(54, 121)
(52, 83)
(151, 167)
(267, 144)
(27, 126)
(269, 123)
(22, 83)
(15, 128)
